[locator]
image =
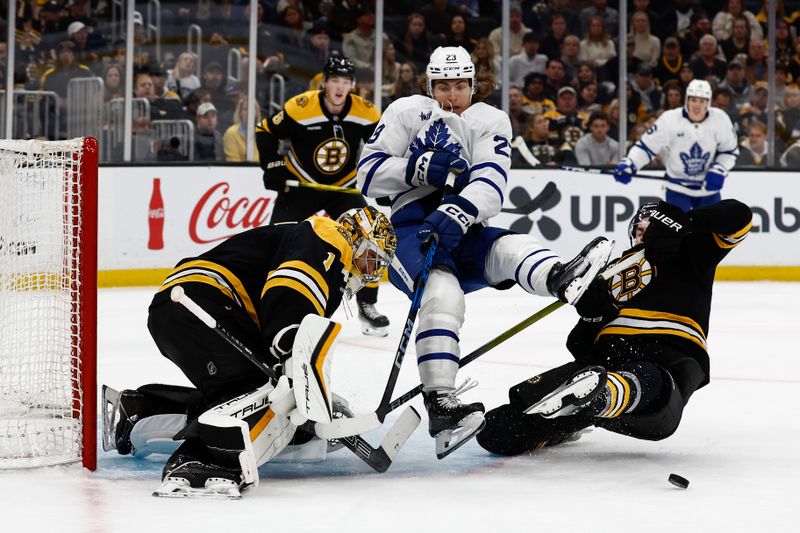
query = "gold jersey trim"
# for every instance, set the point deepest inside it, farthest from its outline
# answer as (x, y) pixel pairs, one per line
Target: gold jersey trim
(641, 322)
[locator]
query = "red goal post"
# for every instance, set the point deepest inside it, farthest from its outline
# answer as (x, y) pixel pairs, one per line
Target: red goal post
(48, 314)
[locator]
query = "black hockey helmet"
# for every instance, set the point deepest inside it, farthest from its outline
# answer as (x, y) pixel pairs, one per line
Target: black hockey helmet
(338, 65)
(641, 215)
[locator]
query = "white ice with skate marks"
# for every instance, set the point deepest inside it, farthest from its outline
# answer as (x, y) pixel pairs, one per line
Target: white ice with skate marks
(736, 445)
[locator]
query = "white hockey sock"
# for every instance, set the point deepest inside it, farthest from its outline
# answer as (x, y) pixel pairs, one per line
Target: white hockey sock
(523, 259)
(441, 315)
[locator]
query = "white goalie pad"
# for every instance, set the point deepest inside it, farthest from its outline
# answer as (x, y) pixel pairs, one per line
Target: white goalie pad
(311, 363)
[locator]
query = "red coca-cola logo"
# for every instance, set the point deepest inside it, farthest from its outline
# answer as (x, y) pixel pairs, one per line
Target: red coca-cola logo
(217, 209)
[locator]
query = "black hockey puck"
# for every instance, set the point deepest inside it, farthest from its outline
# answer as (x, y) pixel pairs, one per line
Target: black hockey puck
(679, 481)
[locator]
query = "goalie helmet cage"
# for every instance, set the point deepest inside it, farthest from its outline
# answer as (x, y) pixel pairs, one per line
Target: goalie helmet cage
(48, 309)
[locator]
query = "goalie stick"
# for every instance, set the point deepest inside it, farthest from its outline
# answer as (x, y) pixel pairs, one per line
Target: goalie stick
(696, 193)
(614, 269)
(378, 458)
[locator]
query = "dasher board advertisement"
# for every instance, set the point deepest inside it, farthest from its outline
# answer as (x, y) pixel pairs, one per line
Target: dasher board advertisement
(151, 217)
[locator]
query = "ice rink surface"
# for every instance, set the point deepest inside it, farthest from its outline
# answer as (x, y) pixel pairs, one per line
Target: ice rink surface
(737, 444)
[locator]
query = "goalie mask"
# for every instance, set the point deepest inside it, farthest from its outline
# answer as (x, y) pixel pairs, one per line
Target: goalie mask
(641, 215)
(450, 63)
(374, 243)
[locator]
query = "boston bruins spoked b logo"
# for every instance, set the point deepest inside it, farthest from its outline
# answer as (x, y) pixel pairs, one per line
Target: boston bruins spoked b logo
(628, 283)
(331, 155)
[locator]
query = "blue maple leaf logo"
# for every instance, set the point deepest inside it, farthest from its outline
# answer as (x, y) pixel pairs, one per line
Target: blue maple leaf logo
(694, 163)
(435, 139)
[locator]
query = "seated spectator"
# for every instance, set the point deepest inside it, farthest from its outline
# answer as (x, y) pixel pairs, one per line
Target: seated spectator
(649, 93)
(528, 60)
(160, 108)
(676, 17)
(555, 78)
(415, 44)
(208, 144)
(739, 41)
(723, 99)
(407, 83)
(612, 112)
(234, 141)
(112, 83)
(708, 66)
(689, 39)
(779, 85)
(359, 45)
(739, 86)
(673, 95)
(597, 47)
(600, 8)
(536, 134)
(567, 124)
(723, 21)
(486, 62)
(183, 78)
(597, 148)
(636, 110)
(144, 50)
(159, 76)
(515, 31)
(789, 117)
(551, 44)
(753, 111)
(753, 150)
(610, 71)
(534, 94)
(545, 11)
(438, 14)
(588, 75)
(570, 55)
(459, 35)
(516, 110)
(214, 81)
(756, 67)
(784, 47)
(57, 79)
(647, 46)
(390, 69)
(86, 52)
(685, 76)
(669, 66)
(587, 98)
(341, 20)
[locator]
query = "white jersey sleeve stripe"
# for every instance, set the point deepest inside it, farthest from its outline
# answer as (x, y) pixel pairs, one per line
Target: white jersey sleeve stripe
(492, 184)
(642, 146)
(380, 158)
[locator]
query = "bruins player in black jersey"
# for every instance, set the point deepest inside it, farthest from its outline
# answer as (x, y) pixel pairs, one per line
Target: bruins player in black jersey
(640, 346)
(326, 128)
(258, 285)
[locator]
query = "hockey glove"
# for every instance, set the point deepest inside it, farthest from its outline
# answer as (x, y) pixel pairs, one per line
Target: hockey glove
(449, 223)
(597, 304)
(715, 177)
(431, 168)
(664, 235)
(275, 176)
(625, 171)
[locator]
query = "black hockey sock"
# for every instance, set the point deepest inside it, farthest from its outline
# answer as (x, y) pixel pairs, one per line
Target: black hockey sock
(631, 388)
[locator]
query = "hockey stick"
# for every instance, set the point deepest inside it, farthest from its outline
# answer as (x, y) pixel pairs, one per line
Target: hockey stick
(378, 458)
(677, 187)
(616, 268)
(525, 152)
(320, 187)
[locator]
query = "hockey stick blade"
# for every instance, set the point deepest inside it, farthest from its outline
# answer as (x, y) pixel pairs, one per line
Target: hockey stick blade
(380, 458)
(347, 427)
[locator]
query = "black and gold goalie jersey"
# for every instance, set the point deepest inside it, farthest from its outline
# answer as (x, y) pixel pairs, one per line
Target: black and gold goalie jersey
(670, 303)
(324, 147)
(276, 274)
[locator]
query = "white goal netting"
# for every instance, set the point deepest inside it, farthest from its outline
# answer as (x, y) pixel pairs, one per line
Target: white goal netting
(45, 297)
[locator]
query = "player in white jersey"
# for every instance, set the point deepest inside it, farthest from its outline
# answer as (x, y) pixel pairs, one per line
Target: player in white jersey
(697, 145)
(419, 140)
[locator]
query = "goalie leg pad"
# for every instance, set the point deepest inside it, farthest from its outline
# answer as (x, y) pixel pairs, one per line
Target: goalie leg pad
(441, 315)
(311, 366)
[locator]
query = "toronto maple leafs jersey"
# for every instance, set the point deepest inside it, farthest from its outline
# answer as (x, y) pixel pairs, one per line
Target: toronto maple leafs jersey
(416, 124)
(688, 148)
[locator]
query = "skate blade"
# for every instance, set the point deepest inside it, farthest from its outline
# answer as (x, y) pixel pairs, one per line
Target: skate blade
(214, 490)
(563, 401)
(110, 408)
(598, 258)
(372, 331)
(450, 440)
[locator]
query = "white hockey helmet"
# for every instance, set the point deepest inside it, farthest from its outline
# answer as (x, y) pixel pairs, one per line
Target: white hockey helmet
(450, 62)
(698, 88)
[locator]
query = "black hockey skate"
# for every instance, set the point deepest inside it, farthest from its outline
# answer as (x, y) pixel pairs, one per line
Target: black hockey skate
(372, 321)
(190, 473)
(562, 391)
(451, 422)
(568, 281)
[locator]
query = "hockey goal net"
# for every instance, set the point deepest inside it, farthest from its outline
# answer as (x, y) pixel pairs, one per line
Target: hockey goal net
(48, 302)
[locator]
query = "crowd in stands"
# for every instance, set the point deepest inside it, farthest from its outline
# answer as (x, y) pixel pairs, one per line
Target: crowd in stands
(563, 67)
